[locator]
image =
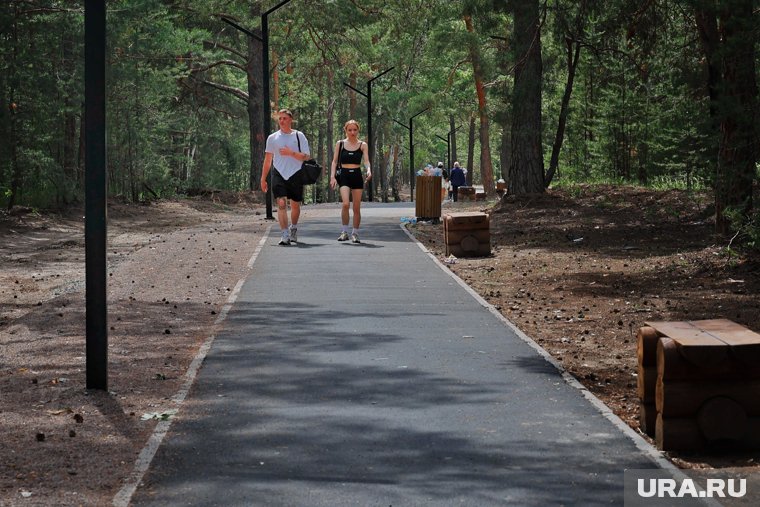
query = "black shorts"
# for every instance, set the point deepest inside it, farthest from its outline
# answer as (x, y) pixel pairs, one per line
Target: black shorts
(351, 178)
(291, 188)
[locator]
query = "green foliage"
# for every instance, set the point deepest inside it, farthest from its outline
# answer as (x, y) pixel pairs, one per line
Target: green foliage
(178, 119)
(746, 229)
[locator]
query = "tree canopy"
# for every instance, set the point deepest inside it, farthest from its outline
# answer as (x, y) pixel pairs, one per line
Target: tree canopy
(662, 91)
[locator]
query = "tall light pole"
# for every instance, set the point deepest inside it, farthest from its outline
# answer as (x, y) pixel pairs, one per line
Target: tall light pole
(410, 128)
(96, 316)
(446, 140)
(370, 144)
(448, 145)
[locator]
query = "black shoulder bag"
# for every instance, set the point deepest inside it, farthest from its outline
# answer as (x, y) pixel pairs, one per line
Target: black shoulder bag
(310, 171)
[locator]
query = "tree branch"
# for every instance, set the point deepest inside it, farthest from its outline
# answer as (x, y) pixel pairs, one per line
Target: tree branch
(210, 66)
(209, 44)
(226, 88)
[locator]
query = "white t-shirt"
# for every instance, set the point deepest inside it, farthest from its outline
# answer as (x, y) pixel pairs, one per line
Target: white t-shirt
(285, 165)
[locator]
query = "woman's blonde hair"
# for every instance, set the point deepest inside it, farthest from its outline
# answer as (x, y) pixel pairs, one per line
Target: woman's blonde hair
(349, 122)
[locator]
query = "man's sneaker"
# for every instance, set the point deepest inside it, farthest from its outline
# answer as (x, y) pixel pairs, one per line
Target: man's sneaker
(343, 236)
(355, 238)
(294, 235)
(285, 241)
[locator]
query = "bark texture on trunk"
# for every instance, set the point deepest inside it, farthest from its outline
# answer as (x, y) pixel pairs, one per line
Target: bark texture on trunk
(486, 167)
(256, 112)
(526, 170)
(573, 55)
(727, 37)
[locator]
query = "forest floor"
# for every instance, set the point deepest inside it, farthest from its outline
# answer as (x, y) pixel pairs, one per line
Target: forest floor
(579, 271)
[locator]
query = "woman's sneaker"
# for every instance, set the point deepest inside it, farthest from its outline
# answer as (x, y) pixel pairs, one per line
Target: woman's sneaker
(343, 236)
(355, 238)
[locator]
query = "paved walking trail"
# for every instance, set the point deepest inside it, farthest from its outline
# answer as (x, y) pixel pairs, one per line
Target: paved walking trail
(367, 375)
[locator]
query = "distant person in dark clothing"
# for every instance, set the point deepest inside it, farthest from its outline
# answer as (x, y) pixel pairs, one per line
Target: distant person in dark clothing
(457, 180)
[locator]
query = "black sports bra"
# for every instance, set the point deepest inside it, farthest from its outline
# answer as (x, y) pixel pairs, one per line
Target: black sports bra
(350, 157)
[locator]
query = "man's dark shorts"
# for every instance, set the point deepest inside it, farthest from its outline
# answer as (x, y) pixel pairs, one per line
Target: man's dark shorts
(290, 188)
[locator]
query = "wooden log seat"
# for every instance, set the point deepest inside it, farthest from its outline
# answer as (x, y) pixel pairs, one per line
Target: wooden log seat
(706, 384)
(467, 234)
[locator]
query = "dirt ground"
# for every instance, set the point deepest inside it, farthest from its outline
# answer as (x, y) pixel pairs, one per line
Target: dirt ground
(579, 271)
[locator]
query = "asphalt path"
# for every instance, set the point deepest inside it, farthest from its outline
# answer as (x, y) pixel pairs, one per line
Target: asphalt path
(366, 375)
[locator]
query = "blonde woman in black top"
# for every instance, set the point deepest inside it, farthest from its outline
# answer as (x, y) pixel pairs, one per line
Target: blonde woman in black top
(346, 174)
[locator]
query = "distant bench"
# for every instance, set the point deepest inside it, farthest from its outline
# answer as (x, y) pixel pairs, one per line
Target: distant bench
(466, 193)
(699, 384)
(467, 234)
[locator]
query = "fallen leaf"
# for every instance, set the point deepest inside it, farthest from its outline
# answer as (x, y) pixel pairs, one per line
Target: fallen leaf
(160, 416)
(66, 410)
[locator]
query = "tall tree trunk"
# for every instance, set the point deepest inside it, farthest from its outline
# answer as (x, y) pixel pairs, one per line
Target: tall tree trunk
(352, 97)
(329, 141)
(15, 168)
(526, 171)
(381, 172)
(275, 80)
(256, 108)
(397, 167)
(573, 55)
(729, 46)
(69, 121)
(452, 128)
(471, 150)
(80, 151)
(14, 138)
(319, 187)
(486, 167)
(505, 152)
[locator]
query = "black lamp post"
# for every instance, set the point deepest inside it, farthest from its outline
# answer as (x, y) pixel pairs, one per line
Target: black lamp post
(410, 128)
(267, 106)
(446, 140)
(370, 144)
(265, 85)
(448, 145)
(96, 317)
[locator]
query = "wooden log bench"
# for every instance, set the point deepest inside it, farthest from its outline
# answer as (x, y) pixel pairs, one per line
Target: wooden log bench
(699, 384)
(466, 193)
(467, 234)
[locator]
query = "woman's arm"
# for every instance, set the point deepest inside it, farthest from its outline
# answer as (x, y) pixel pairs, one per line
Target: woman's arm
(365, 150)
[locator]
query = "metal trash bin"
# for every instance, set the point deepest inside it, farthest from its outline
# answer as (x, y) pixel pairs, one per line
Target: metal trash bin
(428, 198)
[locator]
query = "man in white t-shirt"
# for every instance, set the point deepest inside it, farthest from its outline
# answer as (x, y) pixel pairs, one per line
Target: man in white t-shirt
(282, 148)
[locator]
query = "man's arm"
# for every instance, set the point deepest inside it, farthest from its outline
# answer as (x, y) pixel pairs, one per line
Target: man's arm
(301, 156)
(298, 155)
(265, 171)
